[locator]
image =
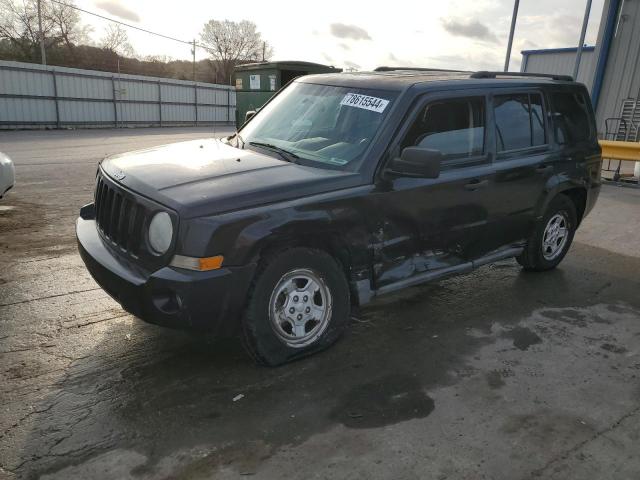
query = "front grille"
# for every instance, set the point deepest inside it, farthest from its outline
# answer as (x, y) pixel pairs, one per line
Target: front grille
(120, 218)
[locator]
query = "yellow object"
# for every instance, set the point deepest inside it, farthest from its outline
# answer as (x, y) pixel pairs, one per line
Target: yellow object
(629, 151)
(210, 263)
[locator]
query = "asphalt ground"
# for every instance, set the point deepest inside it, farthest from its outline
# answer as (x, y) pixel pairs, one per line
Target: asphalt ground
(499, 374)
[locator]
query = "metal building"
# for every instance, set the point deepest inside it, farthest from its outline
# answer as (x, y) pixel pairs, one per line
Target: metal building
(616, 84)
(560, 61)
(611, 69)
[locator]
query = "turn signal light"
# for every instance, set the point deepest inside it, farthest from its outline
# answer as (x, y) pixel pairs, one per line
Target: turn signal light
(200, 264)
(210, 263)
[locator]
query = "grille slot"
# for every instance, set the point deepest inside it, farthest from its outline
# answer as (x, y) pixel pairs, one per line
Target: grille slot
(119, 216)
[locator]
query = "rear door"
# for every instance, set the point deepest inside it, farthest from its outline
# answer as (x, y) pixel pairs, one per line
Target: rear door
(574, 132)
(524, 161)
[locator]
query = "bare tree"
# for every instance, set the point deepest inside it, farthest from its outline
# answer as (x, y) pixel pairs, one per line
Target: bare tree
(232, 43)
(19, 25)
(116, 40)
(157, 58)
(66, 22)
(60, 25)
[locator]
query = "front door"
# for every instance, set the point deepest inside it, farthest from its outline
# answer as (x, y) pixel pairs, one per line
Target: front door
(430, 224)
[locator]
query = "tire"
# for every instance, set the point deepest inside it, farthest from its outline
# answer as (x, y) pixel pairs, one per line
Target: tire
(299, 328)
(538, 256)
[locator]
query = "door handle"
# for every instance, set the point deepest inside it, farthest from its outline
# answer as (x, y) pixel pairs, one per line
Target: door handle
(476, 184)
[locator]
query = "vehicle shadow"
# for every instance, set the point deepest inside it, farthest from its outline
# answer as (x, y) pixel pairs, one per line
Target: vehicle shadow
(186, 405)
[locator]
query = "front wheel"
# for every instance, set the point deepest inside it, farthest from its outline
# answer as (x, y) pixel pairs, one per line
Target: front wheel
(299, 304)
(552, 237)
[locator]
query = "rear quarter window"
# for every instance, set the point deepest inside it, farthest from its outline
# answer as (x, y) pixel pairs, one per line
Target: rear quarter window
(571, 118)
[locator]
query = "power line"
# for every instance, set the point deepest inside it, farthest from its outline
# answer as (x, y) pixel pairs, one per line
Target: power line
(126, 24)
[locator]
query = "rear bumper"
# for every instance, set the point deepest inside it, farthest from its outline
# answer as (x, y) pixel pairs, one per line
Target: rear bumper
(171, 297)
(592, 195)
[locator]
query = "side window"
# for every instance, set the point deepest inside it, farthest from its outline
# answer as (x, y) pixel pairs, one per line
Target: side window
(570, 117)
(538, 132)
(519, 121)
(455, 127)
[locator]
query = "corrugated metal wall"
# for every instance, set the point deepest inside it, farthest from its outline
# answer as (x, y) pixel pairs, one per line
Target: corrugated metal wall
(36, 96)
(561, 63)
(622, 75)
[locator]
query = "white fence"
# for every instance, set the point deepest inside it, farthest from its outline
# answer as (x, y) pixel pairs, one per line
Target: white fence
(36, 96)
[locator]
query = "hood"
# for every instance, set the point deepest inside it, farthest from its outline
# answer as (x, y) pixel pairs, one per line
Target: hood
(205, 177)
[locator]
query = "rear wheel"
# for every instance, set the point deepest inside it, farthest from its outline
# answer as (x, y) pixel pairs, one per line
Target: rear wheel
(552, 237)
(299, 304)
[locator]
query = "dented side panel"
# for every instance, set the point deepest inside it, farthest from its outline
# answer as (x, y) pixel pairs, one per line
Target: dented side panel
(337, 222)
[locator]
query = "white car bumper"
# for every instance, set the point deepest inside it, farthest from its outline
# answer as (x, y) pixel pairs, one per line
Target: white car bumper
(7, 174)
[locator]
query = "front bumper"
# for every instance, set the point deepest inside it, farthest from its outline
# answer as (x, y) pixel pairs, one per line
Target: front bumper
(171, 297)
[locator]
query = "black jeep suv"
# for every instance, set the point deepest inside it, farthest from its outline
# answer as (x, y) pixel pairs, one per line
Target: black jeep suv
(341, 188)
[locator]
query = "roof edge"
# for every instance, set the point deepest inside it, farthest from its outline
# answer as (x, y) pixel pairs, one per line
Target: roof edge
(586, 48)
(273, 63)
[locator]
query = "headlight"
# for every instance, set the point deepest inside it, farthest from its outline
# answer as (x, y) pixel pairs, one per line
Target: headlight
(160, 232)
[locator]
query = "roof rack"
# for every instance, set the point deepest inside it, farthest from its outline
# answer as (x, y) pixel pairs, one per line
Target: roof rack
(485, 74)
(415, 69)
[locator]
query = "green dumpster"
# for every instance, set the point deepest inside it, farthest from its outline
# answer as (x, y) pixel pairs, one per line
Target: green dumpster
(257, 82)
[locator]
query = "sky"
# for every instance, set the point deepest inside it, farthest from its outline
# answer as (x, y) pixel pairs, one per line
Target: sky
(456, 34)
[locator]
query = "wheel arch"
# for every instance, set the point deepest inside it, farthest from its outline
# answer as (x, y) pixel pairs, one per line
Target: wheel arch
(578, 196)
(328, 243)
(350, 254)
(576, 192)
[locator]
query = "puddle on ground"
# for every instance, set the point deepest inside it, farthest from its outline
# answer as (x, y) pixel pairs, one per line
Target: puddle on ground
(523, 338)
(6, 208)
(387, 401)
(609, 347)
(567, 315)
(494, 379)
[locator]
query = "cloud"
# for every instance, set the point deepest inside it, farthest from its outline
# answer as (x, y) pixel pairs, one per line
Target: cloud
(119, 10)
(352, 32)
(344, 46)
(482, 59)
(393, 61)
(469, 29)
(352, 65)
(556, 30)
(327, 57)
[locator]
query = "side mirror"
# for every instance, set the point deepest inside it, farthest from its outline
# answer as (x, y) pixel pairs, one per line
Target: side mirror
(417, 162)
(249, 115)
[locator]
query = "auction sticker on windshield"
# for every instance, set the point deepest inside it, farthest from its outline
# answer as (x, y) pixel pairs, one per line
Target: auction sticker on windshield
(363, 101)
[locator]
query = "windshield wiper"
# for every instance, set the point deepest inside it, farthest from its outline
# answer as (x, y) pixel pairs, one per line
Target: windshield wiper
(285, 154)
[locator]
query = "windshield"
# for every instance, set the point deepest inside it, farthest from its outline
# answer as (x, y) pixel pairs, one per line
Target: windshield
(319, 123)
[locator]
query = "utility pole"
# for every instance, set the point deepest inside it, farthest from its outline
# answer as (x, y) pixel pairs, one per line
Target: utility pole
(43, 54)
(264, 48)
(516, 4)
(193, 52)
(585, 22)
